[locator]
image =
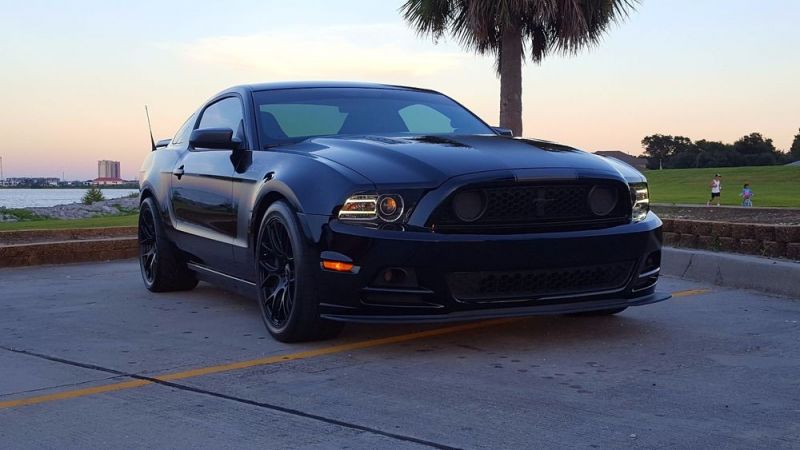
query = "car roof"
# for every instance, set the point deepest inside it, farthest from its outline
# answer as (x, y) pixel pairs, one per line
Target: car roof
(321, 84)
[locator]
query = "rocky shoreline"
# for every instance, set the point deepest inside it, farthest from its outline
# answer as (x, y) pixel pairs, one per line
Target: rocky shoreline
(113, 207)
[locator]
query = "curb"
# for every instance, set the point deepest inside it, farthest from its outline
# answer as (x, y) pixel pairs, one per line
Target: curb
(35, 236)
(732, 270)
(64, 252)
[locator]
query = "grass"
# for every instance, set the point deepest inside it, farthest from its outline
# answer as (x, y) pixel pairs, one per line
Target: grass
(771, 185)
(127, 220)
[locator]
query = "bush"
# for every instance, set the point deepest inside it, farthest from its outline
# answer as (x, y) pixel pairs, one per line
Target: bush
(19, 213)
(93, 194)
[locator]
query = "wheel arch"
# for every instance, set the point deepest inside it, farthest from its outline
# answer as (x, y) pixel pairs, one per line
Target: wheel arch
(267, 198)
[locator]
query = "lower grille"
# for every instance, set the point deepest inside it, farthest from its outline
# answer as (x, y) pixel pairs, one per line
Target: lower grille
(533, 284)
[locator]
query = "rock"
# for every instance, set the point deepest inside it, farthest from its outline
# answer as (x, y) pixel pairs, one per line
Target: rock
(115, 206)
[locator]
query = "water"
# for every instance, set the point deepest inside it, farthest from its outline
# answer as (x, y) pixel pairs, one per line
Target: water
(23, 198)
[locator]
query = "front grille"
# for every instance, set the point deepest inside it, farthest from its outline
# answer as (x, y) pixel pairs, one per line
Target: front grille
(533, 284)
(534, 207)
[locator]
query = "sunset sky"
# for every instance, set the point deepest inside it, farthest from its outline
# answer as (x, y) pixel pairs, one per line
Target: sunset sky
(76, 74)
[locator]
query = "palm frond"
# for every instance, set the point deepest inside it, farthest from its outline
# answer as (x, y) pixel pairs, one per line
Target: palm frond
(562, 26)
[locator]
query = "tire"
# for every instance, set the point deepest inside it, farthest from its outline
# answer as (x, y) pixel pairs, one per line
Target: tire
(162, 265)
(600, 312)
(287, 294)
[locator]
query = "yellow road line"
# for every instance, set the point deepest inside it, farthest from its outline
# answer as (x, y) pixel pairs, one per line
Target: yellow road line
(75, 393)
(276, 359)
(689, 292)
(253, 363)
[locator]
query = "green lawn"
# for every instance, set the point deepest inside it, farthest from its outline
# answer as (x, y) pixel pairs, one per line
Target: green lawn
(53, 224)
(771, 185)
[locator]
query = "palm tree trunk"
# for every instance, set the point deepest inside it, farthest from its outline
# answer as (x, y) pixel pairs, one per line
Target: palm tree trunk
(511, 80)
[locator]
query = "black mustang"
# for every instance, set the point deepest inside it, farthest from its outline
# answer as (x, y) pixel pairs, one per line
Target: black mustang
(336, 202)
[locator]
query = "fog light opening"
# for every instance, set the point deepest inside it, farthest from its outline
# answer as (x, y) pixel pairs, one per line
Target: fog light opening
(394, 275)
(652, 262)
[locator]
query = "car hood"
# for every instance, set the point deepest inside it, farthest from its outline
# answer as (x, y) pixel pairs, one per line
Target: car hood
(431, 160)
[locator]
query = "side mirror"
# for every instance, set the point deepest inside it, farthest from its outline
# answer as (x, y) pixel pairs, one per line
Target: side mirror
(214, 138)
(503, 131)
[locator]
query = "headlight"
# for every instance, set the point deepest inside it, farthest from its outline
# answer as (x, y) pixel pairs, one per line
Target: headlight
(386, 207)
(640, 201)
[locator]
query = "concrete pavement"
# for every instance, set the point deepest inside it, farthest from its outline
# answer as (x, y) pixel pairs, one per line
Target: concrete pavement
(713, 367)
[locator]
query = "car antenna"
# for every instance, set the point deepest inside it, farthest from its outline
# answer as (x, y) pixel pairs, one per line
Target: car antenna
(150, 127)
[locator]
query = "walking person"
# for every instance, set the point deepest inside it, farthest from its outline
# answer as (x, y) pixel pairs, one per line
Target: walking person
(746, 195)
(716, 189)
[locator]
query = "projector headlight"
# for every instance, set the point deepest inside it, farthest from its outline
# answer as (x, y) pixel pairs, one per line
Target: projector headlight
(640, 201)
(370, 207)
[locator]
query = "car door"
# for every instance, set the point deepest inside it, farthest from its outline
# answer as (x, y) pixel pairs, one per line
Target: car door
(201, 191)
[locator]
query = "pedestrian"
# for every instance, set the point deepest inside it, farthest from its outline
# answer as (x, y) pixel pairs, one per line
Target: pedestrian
(746, 195)
(716, 189)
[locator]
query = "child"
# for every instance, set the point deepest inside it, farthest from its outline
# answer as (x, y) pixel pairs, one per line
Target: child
(746, 195)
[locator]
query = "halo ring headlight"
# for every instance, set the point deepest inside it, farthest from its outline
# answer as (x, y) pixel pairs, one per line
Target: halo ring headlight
(390, 207)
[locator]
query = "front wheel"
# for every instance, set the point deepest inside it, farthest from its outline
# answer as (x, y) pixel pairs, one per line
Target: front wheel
(287, 296)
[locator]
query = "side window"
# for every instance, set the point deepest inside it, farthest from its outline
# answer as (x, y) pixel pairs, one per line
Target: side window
(183, 133)
(425, 120)
(226, 113)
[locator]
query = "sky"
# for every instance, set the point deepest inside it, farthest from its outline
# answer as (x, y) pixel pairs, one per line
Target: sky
(75, 75)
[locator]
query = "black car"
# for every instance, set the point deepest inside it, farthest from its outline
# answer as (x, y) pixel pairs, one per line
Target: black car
(345, 202)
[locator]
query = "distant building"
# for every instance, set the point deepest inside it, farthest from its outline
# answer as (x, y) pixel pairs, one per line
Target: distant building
(108, 174)
(31, 181)
(106, 181)
(108, 169)
(635, 161)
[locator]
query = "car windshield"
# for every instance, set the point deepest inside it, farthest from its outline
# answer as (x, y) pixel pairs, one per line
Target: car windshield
(293, 115)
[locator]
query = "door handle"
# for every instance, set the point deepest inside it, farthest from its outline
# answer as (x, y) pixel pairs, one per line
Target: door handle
(178, 172)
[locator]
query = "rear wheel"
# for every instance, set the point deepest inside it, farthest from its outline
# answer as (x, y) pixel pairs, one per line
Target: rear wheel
(601, 312)
(287, 296)
(163, 268)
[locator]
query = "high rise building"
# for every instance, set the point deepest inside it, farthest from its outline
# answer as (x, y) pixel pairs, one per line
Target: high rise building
(108, 169)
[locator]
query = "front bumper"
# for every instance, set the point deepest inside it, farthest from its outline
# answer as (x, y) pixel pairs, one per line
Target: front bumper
(360, 296)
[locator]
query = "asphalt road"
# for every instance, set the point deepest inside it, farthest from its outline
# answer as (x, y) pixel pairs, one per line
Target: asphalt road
(90, 359)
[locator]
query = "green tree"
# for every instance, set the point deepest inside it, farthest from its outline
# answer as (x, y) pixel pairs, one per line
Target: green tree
(93, 194)
(513, 30)
(794, 150)
(756, 150)
(659, 149)
(717, 154)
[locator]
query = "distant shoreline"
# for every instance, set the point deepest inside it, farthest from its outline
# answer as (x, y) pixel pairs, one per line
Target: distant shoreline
(118, 186)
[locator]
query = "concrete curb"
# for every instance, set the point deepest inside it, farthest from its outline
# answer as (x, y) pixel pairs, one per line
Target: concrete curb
(732, 270)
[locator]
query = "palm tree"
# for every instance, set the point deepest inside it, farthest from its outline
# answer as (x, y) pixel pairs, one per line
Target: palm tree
(512, 30)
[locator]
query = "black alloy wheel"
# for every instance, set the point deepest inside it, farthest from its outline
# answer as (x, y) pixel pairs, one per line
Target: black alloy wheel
(285, 267)
(148, 250)
(163, 266)
(276, 273)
